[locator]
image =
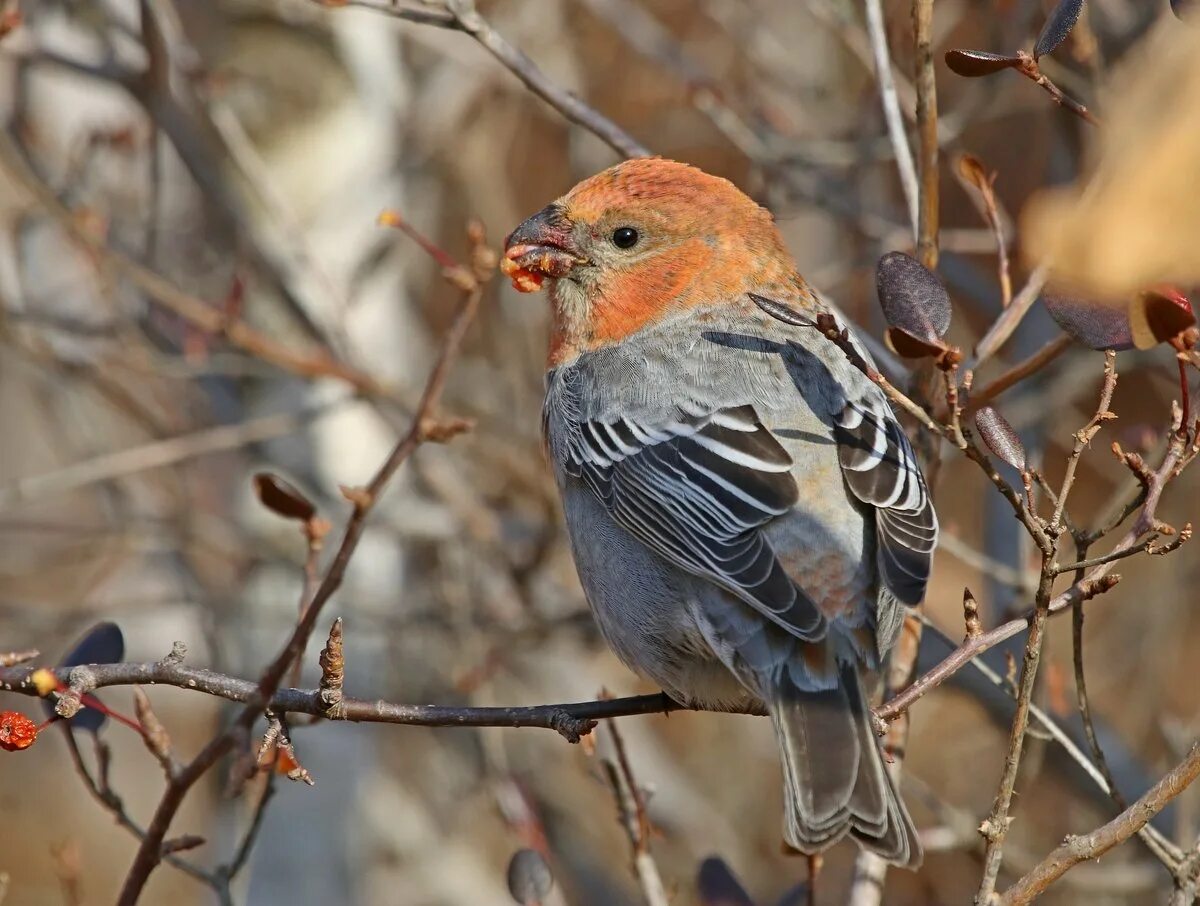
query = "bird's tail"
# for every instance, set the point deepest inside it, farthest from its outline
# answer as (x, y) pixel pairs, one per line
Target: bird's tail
(834, 773)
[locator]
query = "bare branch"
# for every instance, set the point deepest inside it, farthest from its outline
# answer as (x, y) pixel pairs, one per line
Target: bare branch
(891, 112)
(461, 15)
(571, 720)
(1091, 846)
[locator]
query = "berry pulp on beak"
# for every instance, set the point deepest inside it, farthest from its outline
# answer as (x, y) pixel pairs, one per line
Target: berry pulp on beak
(540, 247)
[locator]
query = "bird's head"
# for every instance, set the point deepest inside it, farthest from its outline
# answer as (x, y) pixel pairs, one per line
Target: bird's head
(640, 241)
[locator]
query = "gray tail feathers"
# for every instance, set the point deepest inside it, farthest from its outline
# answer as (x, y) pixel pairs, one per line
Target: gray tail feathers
(833, 771)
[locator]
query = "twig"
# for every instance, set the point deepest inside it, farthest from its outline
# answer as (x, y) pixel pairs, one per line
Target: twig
(631, 809)
(974, 175)
(1096, 582)
(242, 853)
(108, 798)
(995, 827)
(460, 15)
(1009, 319)
(364, 499)
(1187, 879)
(927, 130)
(196, 312)
(1020, 371)
(1031, 70)
(1112, 556)
(1081, 691)
(891, 112)
(1091, 846)
(572, 720)
(1165, 851)
(1083, 438)
(972, 648)
(13, 658)
(160, 453)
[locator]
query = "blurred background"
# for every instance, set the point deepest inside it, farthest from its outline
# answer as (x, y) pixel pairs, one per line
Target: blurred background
(246, 162)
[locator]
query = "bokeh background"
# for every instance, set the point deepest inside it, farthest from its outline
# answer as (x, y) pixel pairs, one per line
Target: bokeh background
(128, 437)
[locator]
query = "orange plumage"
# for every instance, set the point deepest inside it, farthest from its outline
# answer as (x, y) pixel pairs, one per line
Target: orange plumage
(706, 242)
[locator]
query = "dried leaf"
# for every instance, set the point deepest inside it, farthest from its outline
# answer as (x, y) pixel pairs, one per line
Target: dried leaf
(905, 345)
(282, 497)
(104, 643)
(529, 877)
(972, 169)
(1057, 27)
(1094, 324)
(1158, 315)
(717, 885)
(913, 298)
(975, 63)
(1000, 437)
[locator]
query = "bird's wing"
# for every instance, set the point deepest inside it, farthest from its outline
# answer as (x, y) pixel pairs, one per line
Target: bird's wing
(697, 488)
(881, 470)
(879, 465)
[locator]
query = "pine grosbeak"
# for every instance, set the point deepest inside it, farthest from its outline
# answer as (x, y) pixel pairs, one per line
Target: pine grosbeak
(745, 513)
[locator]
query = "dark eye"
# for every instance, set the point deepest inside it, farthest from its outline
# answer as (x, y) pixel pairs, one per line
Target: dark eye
(625, 237)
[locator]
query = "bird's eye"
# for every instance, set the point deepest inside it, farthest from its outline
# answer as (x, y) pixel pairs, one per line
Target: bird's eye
(625, 237)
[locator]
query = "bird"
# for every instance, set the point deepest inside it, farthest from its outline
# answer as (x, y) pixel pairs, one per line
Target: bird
(746, 516)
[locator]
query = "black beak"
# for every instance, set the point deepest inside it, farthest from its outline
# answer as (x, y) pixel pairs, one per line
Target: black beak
(544, 243)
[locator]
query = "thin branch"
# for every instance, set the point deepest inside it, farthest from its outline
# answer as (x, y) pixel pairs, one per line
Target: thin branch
(1031, 70)
(1009, 319)
(1091, 846)
(364, 499)
(995, 827)
(157, 454)
(1020, 371)
(927, 130)
(196, 312)
(1083, 438)
(972, 648)
(1163, 849)
(108, 798)
(572, 720)
(460, 15)
(1081, 690)
(631, 808)
(1110, 557)
(891, 112)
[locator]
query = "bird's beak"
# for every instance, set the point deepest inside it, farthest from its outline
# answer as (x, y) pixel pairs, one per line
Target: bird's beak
(540, 247)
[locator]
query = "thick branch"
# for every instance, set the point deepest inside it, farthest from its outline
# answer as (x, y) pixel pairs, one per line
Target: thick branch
(1091, 846)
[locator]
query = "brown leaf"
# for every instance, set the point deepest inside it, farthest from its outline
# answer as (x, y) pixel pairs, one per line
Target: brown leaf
(975, 63)
(905, 345)
(282, 497)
